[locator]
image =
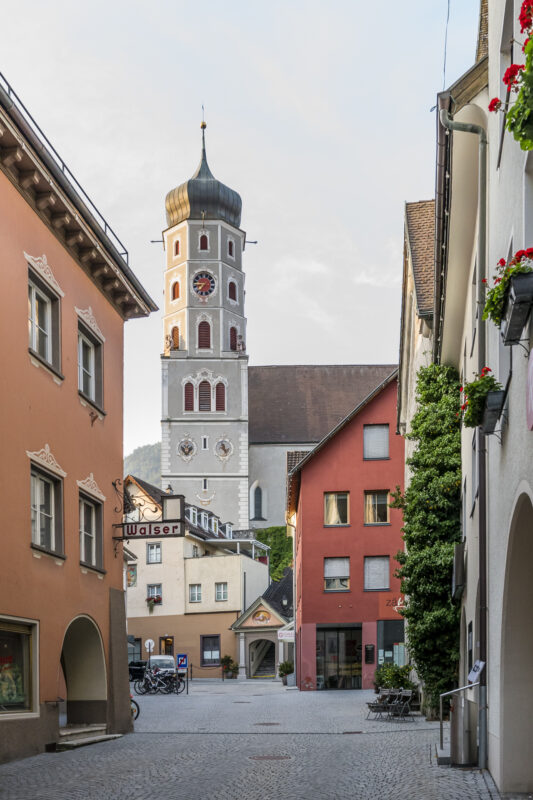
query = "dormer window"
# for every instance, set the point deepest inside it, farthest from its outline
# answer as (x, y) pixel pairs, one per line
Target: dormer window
(204, 242)
(193, 515)
(229, 531)
(177, 247)
(204, 521)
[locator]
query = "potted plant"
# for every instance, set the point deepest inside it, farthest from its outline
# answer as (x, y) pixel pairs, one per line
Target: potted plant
(229, 666)
(153, 600)
(484, 392)
(509, 300)
(233, 669)
(285, 668)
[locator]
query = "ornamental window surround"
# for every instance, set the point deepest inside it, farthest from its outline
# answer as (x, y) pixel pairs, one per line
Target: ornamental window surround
(175, 290)
(46, 511)
(204, 394)
(204, 335)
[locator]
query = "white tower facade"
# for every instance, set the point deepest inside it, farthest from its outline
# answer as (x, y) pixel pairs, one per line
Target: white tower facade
(204, 452)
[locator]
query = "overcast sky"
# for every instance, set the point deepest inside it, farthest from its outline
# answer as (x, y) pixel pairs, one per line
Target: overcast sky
(318, 114)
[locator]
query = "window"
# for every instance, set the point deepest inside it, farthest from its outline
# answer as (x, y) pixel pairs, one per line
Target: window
(153, 553)
(209, 650)
(336, 574)
(391, 642)
(46, 511)
(43, 322)
(233, 338)
(375, 441)
(229, 531)
(232, 290)
(470, 646)
(195, 593)
(204, 335)
(18, 648)
(195, 551)
(204, 396)
(188, 397)
(376, 573)
(376, 508)
(205, 442)
(258, 503)
(204, 242)
(175, 336)
(89, 366)
(220, 397)
(204, 521)
(336, 508)
(90, 532)
(213, 524)
(193, 515)
(221, 592)
(474, 471)
(204, 484)
(155, 590)
(176, 291)
(177, 250)
(230, 248)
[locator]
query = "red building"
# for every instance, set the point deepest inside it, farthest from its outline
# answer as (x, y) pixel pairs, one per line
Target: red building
(346, 539)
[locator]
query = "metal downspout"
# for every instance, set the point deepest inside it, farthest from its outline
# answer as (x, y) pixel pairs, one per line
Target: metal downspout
(448, 123)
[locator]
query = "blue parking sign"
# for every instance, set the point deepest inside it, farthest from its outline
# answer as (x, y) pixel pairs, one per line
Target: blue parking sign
(181, 661)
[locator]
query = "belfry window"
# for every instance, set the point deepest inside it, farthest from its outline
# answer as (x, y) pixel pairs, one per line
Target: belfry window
(233, 338)
(204, 242)
(204, 335)
(232, 290)
(189, 397)
(175, 290)
(177, 247)
(230, 248)
(220, 397)
(204, 396)
(175, 338)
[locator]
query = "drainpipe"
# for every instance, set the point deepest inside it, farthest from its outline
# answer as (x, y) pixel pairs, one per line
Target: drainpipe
(450, 125)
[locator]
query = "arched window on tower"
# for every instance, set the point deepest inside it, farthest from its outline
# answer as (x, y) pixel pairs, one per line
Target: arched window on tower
(204, 335)
(176, 290)
(232, 290)
(177, 247)
(258, 503)
(189, 397)
(204, 396)
(233, 338)
(204, 242)
(220, 396)
(230, 248)
(175, 338)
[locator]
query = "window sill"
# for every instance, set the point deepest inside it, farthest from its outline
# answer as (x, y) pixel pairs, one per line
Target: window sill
(336, 591)
(85, 399)
(376, 524)
(149, 563)
(378, 458)
(339, 525)
(221, 601)
(385, 589)
(42, 362)
(92, 568)
(45, 551)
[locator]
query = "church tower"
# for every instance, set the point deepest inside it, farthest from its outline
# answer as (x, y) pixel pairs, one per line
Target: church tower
(204, 452)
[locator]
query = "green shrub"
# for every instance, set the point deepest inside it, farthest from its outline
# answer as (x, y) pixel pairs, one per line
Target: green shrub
(285, 668)
(391, 676)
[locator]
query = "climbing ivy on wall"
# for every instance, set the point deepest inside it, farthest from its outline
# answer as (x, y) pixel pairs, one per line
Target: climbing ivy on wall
(431, 509)
(280, 548)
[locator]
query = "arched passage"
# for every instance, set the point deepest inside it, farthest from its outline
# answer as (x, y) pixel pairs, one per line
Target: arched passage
(83, 663)
(516, 721)
(262, 658)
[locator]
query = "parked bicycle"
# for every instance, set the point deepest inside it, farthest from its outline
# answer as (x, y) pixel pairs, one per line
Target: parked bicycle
(158, 680)
(134, 705)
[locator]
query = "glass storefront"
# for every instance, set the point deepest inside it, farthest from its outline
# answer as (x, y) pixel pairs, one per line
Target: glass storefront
(15, 667)
(338, 658)
(391, 645)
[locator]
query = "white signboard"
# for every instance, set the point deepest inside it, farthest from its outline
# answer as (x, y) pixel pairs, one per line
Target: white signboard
(475, 672)
(147, 530)
(149, 644)
(286, 636)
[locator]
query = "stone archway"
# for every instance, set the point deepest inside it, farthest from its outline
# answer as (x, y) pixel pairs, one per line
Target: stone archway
(83, 663)
(516, 681)
(262, 658)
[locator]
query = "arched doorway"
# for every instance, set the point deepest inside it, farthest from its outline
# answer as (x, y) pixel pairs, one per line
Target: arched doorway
(516, 683)
(262, 658)
(83, 666)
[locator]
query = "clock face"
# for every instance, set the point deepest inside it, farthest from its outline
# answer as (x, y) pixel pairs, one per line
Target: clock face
(203, 284)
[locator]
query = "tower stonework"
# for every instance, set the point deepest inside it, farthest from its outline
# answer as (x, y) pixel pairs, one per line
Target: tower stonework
(204, 453)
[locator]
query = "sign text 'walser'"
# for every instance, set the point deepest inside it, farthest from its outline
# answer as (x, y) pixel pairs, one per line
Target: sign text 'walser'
(146, 530)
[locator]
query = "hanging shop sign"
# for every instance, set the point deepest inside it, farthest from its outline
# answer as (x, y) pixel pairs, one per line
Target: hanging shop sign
(150, 530)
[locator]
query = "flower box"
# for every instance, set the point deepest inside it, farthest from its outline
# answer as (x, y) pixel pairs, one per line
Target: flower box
(493, 408)
(517, 307)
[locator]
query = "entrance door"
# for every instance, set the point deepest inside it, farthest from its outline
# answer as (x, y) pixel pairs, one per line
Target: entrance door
(166, 645)
(338, 658)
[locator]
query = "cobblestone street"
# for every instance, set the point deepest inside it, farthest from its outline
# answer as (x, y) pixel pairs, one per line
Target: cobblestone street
(255, 740)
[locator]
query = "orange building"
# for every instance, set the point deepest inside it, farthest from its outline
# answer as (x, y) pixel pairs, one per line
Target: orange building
(67, 291)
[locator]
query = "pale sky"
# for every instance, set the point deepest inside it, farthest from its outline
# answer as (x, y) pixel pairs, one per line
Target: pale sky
(319, 116)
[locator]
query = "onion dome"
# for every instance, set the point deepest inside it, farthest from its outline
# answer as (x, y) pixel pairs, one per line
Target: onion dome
(203, 197)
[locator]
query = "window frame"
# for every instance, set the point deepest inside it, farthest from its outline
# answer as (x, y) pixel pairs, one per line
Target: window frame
(53, 313)
(380, 589)
(346, 578)
(96, 561)
(57, 538)
(196, 590)
(157, 547)
(374, 426)
(203, 661)
(376, 492)
(223, 592)
(29, 628)
(96, 398)
(337, 524)
(157, 593)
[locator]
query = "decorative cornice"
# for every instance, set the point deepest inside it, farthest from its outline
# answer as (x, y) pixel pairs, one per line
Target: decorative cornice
(46, 458)
(87, 316)
(42, 267)
(90, 486)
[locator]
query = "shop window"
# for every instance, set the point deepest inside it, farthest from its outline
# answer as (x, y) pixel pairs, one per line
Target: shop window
(209, 650)
(18, 649)
(336, 510)
(376, 508)
(391, 642)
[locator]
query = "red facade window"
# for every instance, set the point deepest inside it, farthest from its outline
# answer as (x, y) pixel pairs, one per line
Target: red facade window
(232, 290)
(230, 248)
(204, 244)
(204, 396)
(177, 247)
(175, 338)
(220, 394)
(233, 338)
(175, 290)
(204, 335)
(189, 397)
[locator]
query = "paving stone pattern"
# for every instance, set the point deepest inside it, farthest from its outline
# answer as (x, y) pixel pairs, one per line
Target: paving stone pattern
(252, 741)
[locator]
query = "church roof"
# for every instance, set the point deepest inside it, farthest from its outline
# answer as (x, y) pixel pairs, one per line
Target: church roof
(203, 197)
(302, 404)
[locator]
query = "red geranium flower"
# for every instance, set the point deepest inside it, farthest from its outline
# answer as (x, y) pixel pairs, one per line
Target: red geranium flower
(502, 262)
(495, 104)
(519, 255)
(511, 74)
(526, 15)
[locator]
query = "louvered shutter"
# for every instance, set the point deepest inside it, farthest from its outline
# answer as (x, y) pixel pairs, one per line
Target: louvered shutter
(189, 397)
(220, 397)
(204, 335)
(232, 290)
(175, 291)
(233, 338)
(204, 396)
(175, 338)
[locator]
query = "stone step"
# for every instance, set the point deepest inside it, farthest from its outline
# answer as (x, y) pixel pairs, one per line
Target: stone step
(71, 732)
(74, 743)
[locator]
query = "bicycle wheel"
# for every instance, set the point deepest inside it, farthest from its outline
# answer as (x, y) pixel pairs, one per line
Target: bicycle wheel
(167, 685)
(180, 684)
(134, 708)
(140, 687)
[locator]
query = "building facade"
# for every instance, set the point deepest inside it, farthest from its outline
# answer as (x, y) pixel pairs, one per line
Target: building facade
(68, 292)
(346, 537)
